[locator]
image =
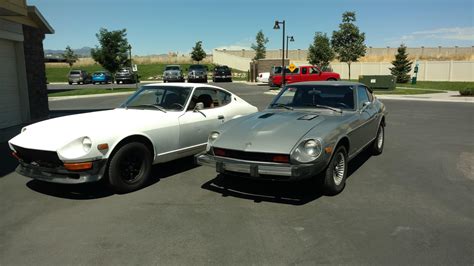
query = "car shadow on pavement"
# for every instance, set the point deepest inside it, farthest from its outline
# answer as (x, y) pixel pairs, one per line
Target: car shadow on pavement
(100, 189)
(285, 192)
(85, 191)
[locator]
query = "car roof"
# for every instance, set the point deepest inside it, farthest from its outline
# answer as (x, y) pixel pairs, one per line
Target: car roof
(172, 66)
(185, 84)
(330, 83)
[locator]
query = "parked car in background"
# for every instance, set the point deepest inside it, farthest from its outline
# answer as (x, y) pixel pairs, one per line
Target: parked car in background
(79, 76)
(102, 77)
(158, 123)
(197, 73)
(222, 73)
(308, 129)
(301, 74)
(173, 73)
(126, 75)
(263, 77)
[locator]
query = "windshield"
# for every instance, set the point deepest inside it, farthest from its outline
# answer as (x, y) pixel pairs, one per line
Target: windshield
(75, 72)
(124, 71)
(172, 68)
(197, 67)
(167, 97)
(222, 68)
(307, 96)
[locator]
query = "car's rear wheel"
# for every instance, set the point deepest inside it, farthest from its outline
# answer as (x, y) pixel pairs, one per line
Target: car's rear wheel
(377, 145)
(130, 167)
(336, 172)
(331, 79)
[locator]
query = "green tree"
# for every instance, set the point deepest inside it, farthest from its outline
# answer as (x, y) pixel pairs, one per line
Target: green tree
(112, 53)
(348, 41)
(198, 53)
(401, 65)
(70, 56)
(320, 52)
(260, 49)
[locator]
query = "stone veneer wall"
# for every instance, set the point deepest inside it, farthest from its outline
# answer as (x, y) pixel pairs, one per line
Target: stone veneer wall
(35, 72)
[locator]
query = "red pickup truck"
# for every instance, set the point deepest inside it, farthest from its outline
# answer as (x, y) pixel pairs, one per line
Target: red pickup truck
(301, 73)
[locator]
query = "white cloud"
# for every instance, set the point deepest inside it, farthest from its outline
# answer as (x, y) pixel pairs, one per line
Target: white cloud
(434, 37)
(242, 44)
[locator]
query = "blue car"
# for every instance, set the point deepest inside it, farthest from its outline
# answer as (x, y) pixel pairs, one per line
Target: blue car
(102, 77)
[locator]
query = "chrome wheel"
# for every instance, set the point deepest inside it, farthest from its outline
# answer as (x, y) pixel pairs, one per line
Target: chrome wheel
(339, 169)
(380, 138)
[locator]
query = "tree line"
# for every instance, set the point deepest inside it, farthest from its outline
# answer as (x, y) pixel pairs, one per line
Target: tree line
(346, 44)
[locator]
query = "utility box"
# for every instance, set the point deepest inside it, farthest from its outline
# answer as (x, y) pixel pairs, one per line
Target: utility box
(387, 82)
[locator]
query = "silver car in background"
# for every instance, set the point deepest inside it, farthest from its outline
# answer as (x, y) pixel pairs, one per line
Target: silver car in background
(78, 76)
(173, 73)
(310, 128)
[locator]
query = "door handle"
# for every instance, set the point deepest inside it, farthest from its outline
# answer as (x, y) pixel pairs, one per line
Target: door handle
(220, 117)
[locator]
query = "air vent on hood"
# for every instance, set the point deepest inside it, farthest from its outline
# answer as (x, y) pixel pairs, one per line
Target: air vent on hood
(266, 115)
(308, 117)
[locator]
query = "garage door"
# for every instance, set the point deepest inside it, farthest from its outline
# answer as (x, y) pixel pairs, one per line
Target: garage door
(10, 110)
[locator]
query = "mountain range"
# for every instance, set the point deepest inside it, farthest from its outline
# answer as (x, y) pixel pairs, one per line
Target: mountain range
(81, 52)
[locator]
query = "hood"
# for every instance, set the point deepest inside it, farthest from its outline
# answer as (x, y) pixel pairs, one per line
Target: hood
(268, 131)
(54, 133)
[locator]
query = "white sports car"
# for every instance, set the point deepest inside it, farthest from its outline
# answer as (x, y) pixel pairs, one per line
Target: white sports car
(158, 123)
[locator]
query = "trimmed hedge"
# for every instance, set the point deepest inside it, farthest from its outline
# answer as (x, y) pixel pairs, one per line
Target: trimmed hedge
(467, 91)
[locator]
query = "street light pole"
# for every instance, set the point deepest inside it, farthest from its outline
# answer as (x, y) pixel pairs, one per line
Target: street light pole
(288, 39)
(276, 27)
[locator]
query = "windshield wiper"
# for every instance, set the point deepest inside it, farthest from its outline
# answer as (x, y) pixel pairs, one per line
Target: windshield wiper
(326, 107)
(148, 105)
(281, 105)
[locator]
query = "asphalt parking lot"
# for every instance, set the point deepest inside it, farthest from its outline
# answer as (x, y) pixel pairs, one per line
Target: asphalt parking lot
(411, 205)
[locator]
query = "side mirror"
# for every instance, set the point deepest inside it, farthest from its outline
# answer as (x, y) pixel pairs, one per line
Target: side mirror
(364, 106)
(199, 106)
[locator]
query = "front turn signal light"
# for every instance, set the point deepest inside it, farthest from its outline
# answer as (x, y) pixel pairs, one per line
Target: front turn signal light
(78, 166)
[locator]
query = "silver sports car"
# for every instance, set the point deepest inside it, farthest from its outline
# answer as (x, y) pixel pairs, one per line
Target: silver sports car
(310, 129)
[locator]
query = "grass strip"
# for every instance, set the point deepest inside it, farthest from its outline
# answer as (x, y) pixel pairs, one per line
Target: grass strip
(90, 91)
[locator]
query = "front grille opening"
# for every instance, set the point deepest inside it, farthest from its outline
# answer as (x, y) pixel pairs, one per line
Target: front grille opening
(42, 158)
(252, 156)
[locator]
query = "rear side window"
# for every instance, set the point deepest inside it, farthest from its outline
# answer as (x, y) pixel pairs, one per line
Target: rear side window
(210, 97)
(362, 96)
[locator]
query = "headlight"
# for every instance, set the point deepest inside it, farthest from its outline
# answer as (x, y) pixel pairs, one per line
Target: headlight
(212, 138)
(308, 150)
(86, 144)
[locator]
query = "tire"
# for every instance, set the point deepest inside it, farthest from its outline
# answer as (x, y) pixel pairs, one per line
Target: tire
(70, 83)
(130, 167)
(93, 82)
(377, 145)
(331, 79)
(336, 172)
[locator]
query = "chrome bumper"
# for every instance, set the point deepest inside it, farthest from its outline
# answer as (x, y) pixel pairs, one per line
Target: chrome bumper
(258, 169)
(61, 175)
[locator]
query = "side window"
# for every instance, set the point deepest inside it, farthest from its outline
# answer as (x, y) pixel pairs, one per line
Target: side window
(362, 96)
(208, 96)
(223, 97)
(371, 96)
(304, 70)
(313, 71)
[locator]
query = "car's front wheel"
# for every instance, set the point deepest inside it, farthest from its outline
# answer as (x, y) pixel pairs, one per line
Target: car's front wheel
(130, 167)
(336, 172)
(377, 145)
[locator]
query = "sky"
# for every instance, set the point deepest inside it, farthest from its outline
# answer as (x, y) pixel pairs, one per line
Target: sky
(158, 27)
